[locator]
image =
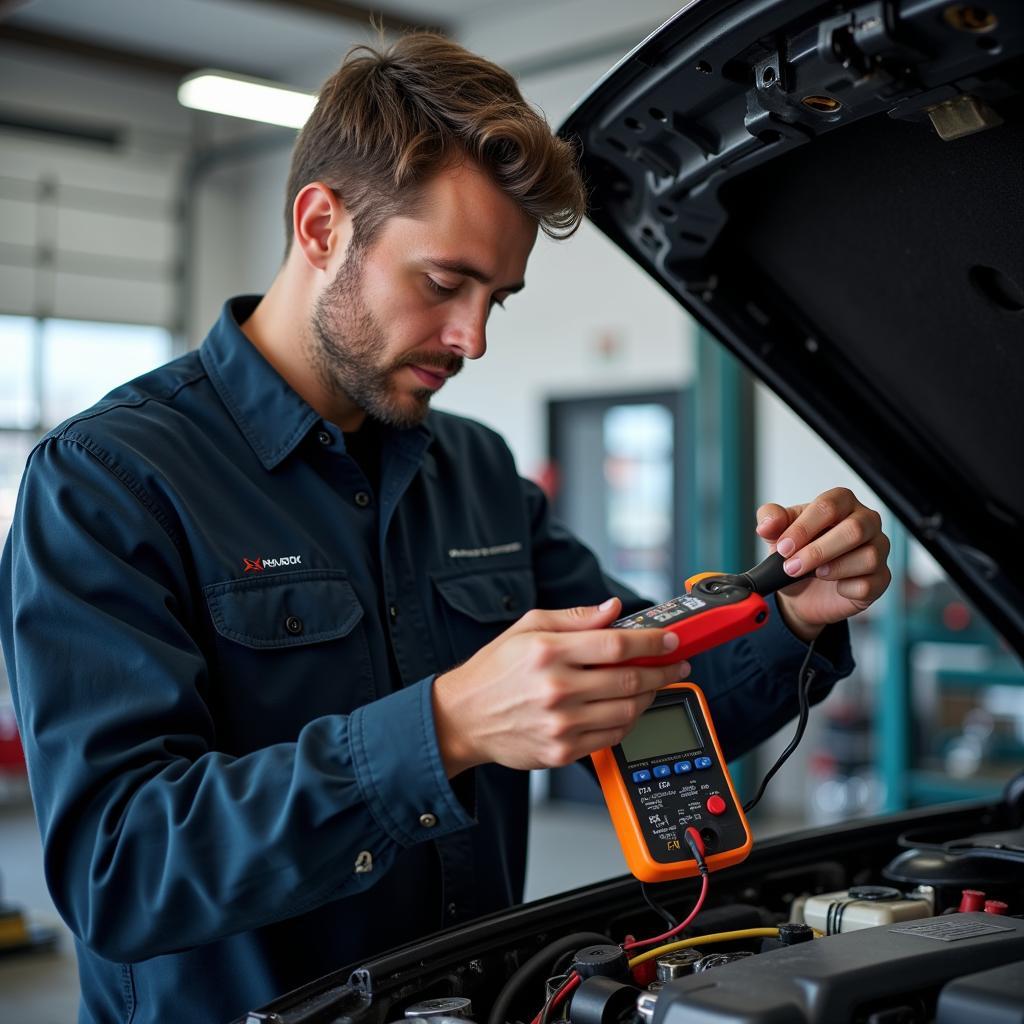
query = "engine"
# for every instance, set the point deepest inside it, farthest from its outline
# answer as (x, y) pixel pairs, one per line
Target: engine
(866, 924)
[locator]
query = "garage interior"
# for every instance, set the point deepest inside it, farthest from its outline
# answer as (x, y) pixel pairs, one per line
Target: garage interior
(127, 218)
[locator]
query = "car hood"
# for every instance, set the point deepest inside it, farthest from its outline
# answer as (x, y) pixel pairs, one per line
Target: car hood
(835, 192)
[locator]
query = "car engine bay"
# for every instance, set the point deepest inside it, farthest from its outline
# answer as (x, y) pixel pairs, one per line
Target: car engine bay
(911, 919)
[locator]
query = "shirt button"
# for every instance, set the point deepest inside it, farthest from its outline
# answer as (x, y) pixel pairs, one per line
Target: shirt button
(428, 820)
(364, 863)
(452, 909)
(393, 612)
(323, 437)
(293, 624)
(508, 602)
(362, 499)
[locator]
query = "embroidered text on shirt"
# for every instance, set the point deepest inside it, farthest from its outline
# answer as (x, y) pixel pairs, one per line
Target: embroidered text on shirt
(497, 549)
(259, 564)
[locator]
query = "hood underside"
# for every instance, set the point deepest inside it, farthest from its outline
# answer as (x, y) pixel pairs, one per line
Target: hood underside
(836, 192)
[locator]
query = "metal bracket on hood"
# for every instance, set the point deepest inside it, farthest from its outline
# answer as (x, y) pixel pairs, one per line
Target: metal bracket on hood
(835, 71)
(965, 115)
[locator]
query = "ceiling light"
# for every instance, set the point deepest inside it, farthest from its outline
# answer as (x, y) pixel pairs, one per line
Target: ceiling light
(221, 92)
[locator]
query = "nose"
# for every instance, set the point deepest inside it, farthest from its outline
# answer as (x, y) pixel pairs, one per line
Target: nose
(466, 332)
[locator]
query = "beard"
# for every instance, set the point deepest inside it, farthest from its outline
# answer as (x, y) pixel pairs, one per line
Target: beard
(347, 346)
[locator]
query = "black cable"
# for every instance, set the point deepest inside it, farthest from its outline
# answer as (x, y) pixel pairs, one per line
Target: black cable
(536, 970)
(803, 696)
(657, 907)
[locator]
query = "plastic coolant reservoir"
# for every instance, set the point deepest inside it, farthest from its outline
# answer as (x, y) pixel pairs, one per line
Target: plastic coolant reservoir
(863, 906)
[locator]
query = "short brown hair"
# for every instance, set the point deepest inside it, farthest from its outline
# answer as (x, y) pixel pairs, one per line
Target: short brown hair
(387, 120)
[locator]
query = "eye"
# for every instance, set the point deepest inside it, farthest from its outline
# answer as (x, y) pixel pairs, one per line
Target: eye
(439, 289)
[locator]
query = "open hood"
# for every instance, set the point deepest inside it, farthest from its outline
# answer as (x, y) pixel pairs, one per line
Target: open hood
(835, 191)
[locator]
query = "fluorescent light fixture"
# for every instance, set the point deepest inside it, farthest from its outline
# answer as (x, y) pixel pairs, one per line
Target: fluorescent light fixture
(221, 92)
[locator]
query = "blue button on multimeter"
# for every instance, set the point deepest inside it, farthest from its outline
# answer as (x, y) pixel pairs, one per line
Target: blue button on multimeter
(682, 767)
(702, 762)
(661, 771)
(642, 776)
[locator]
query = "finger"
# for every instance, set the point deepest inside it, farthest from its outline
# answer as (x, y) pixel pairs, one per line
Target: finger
(563, 620)
(863, 590)
(612, 646)
(772, 520)
(613, 714)
(858, 529)
(864, 561)
(625, 681)
(825, 511)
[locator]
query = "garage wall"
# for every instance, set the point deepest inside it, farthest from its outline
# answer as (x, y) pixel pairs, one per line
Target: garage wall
(89, 226)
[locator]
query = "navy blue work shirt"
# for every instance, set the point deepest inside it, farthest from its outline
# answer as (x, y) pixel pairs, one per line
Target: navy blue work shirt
(238, 788)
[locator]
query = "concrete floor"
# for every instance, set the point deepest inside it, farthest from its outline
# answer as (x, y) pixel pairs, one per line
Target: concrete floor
(35, 988)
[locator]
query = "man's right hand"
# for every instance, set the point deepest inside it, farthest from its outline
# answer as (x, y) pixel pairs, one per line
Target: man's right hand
(549, 690)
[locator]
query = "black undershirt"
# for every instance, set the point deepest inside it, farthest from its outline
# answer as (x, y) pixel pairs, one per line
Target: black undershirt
(364, 445)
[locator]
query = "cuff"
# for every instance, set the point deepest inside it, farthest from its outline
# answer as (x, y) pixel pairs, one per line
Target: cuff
(781, 652)
(398, 767)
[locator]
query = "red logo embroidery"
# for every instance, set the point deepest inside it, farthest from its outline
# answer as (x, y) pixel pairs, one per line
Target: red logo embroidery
(253, 565)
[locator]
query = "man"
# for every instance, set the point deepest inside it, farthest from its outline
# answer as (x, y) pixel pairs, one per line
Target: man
(273, 629)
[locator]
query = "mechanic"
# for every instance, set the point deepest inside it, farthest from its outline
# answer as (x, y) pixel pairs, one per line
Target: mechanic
(274, 628)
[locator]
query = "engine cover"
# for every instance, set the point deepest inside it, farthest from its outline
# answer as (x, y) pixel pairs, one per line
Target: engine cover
(844, 977)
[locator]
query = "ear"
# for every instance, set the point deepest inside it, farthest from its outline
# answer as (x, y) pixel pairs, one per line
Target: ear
(321, 224)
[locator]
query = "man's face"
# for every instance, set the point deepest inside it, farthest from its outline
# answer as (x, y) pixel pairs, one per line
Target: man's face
(401, 315)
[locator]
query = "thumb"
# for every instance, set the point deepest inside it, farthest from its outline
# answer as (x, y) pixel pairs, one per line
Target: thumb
(565, 620)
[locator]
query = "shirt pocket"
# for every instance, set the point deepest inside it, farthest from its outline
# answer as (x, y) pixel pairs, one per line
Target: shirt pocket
(290, 648)
(285, 610)
(477, 606)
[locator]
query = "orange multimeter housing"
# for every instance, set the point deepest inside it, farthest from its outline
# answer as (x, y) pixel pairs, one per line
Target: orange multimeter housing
(669, 774)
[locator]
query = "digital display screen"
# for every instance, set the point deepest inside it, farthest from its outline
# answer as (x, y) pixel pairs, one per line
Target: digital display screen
(661, 731)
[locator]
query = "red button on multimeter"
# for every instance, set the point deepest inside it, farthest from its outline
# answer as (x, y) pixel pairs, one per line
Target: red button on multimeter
(716, 805)
(650, 806)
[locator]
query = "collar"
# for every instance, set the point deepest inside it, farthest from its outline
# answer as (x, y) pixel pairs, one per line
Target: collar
(271, 415)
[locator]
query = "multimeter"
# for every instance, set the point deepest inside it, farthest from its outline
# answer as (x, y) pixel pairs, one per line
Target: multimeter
(669, 774)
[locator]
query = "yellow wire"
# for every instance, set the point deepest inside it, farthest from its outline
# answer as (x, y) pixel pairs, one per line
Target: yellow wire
(706, 940)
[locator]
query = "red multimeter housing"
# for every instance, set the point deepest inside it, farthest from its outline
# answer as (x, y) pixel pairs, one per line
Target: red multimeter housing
(669, 773)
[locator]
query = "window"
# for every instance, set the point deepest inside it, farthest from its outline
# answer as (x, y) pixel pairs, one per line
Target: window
(19, 407)
(51, 369)
(82, 361)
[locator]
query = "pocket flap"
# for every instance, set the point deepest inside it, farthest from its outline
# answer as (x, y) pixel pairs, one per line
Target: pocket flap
(285, 610)
(496, 596)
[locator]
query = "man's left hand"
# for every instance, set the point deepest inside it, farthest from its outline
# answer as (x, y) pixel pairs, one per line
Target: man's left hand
(842, 543)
